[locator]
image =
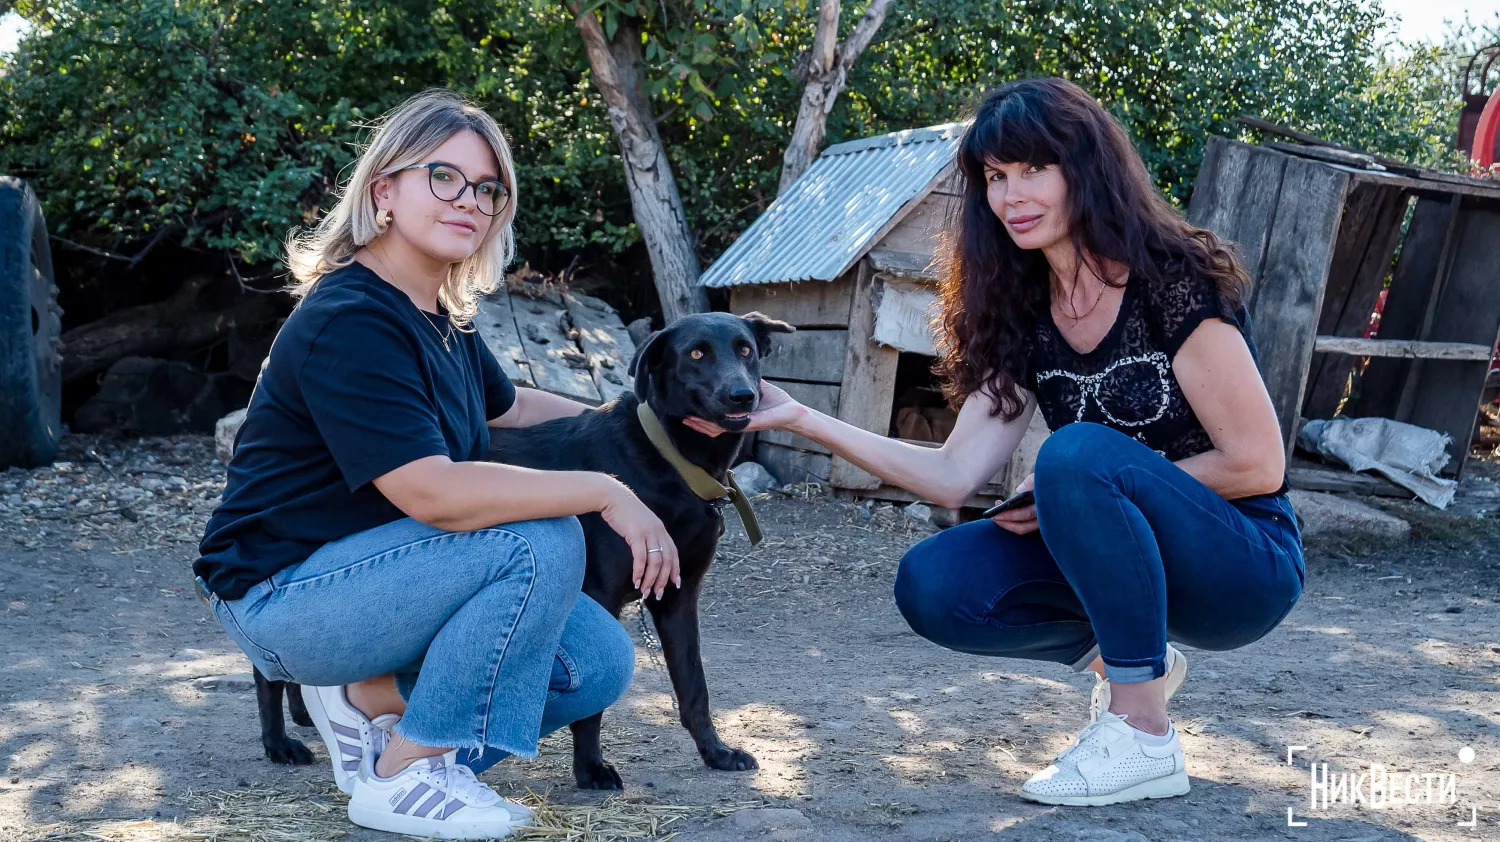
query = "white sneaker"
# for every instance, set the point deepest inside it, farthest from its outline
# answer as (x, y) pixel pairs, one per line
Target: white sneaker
(1176, 673)
(347, 733)
(433, 798)
(1107, 765)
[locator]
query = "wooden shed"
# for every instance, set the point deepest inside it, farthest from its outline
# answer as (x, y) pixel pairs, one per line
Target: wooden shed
(1323, 235)
(845, 255)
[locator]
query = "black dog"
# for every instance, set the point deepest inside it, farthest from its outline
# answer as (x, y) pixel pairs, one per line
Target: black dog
(705, 365)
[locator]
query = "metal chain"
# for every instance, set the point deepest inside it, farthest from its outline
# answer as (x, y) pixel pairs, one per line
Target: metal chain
(653, 646)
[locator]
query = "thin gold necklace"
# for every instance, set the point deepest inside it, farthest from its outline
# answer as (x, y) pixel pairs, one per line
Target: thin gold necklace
(1100, 297)
(420, 311)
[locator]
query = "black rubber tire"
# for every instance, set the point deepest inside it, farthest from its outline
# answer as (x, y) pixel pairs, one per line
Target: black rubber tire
(30, 333)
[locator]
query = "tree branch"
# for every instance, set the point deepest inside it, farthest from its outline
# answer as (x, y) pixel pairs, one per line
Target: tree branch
(864, 32)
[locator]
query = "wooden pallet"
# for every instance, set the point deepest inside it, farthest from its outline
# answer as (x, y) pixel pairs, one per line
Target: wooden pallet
(572, 344)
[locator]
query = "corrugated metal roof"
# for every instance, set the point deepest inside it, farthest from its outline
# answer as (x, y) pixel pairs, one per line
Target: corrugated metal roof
(830, 216)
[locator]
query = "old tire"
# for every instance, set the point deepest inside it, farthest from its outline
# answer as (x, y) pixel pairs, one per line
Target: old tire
(30, 333)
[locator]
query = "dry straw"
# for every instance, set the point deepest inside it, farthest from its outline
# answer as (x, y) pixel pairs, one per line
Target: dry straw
(260, 814)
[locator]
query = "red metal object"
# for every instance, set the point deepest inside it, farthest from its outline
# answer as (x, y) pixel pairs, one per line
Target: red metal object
(1486, 132)
(1481, 114)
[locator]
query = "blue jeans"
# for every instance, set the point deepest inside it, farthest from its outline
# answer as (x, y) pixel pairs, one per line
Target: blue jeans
(490, 640)
(1131, 551)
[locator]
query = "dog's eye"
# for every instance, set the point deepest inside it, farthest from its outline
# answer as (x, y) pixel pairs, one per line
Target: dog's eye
(745, 351)
(696, 354)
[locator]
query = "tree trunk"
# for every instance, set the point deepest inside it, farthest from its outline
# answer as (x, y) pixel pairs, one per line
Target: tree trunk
(654, 198)
(150, 330)
(829, 66)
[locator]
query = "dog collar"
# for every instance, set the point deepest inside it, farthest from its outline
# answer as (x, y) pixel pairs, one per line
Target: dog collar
(702, 483)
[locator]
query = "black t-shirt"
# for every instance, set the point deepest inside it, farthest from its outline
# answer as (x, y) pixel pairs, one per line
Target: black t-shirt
(1127, 382)
(357, 384)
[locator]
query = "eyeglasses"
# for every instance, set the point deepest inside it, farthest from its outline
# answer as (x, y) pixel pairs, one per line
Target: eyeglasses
(448, 184)
(1126, 391)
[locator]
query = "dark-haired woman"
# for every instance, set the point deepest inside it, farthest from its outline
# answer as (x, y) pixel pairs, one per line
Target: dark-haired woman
(1160, 511)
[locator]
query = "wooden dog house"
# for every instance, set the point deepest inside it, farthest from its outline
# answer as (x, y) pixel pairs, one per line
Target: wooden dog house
(845, 255)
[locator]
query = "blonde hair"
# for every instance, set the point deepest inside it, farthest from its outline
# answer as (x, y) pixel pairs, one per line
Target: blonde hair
(404, 136)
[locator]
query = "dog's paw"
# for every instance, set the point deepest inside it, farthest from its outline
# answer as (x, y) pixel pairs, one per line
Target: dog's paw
(288, 752)
(729, 760)
(597, 774)
(301, 717)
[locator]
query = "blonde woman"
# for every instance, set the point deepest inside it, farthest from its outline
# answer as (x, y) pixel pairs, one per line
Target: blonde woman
(428, 601)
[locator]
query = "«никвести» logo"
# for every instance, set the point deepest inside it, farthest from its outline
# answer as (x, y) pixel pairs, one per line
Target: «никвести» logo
(1379, 787)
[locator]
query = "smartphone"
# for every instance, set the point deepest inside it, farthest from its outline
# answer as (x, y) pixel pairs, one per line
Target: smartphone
(1025, 498)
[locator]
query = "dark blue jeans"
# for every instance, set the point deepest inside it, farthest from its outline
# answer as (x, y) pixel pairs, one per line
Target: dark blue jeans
(1132, 551)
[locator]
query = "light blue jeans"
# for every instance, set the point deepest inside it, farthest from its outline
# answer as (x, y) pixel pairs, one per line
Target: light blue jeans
(489, 638)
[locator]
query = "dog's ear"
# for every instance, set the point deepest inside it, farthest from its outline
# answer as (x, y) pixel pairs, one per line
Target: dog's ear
(764, 326)
(646, 359)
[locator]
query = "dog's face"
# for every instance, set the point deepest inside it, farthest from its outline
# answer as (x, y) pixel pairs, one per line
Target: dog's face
(707, 365)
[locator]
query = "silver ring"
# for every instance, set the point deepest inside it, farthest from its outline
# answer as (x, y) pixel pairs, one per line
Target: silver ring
(654, 550)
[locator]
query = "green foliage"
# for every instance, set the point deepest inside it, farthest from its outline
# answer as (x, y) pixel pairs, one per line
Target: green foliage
(225, 123)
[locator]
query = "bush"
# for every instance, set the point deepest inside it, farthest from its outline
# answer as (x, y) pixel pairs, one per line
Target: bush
(223, 124)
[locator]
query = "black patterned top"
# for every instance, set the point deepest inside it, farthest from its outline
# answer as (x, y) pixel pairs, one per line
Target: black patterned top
(1127, 382)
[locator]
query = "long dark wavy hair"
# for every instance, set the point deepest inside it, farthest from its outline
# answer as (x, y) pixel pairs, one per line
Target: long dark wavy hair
(992, 291)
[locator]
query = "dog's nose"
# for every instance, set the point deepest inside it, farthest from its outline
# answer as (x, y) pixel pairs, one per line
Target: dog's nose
(742, 398)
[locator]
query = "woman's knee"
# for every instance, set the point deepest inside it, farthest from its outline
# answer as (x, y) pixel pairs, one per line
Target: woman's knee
(1074, 449)
(556, 548)
(925, 590)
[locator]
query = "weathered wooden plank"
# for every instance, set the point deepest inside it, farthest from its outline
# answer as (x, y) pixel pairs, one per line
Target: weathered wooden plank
(1446, 395)
(820, 396)
(809, 304)
(1362, 259)
(1285, 312)
(812, 356)
(918, 231)
(496, 325)
(605, 342)
(1310, 476)
(917, 265)
(1236, 196)
(549, 351)
(1378, 392)
(1406, 348)
(869, 382)
(791, 465)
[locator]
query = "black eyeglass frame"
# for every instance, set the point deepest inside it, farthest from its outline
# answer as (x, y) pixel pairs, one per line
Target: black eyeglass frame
(503, 191)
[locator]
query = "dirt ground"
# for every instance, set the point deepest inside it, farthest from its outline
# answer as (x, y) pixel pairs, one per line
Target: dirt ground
(113, 725)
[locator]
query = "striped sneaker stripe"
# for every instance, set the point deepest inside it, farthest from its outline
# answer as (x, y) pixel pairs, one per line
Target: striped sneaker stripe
(412, 797)
(429, 805)
(453, 806)
(345, 730)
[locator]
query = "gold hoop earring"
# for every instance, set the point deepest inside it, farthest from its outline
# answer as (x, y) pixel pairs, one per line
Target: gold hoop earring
(382, 219)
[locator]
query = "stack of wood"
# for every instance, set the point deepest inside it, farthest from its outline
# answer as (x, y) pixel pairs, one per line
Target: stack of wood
(558, 341)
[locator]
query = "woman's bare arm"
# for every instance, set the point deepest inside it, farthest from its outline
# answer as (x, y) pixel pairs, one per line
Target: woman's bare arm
(464, 496)
(949, 475)
(1222, 385)
(534, 406)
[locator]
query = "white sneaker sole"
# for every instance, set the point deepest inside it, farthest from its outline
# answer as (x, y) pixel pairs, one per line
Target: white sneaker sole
(314, 703)
(1170, 786)
(378, 819)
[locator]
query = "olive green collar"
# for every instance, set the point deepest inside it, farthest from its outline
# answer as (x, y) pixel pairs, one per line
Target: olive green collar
(702, 483)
